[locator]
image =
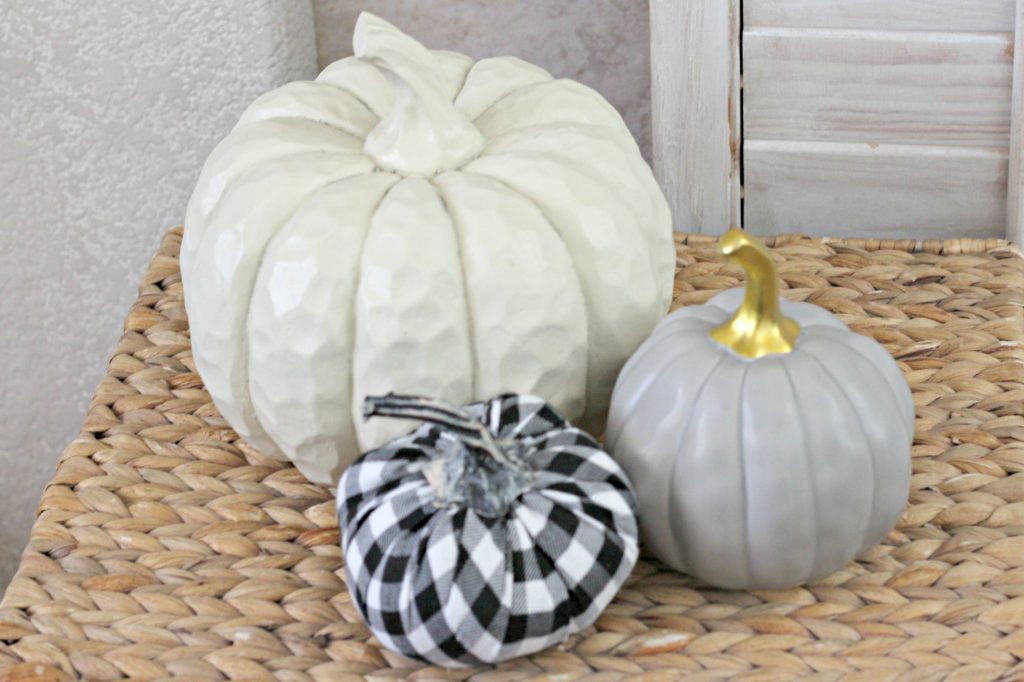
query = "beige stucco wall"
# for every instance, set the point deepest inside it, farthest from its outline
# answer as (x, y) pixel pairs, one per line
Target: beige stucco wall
(107, 110)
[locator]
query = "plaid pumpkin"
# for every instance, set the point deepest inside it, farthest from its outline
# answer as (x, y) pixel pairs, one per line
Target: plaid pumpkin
(491, 531)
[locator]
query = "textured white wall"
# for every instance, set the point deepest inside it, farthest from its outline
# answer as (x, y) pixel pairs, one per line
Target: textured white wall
(603, 43)
(107, 110)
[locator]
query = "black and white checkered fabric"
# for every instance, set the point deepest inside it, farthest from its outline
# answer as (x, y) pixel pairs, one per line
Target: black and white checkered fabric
(443, 580)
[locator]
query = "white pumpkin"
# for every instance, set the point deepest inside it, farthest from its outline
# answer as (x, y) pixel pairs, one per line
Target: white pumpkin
(416, 222)
(767, 443)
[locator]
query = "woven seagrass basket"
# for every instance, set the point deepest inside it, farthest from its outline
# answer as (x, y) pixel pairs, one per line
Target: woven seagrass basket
(166, 548)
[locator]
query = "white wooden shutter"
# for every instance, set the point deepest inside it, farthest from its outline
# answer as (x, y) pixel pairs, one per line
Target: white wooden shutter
(857, 117)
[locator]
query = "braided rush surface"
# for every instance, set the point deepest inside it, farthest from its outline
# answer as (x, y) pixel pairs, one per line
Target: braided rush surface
(166, 547)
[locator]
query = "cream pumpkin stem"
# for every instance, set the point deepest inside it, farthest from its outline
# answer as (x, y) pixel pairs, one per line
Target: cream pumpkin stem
(424, 133)
(758, 327)
(469, 430)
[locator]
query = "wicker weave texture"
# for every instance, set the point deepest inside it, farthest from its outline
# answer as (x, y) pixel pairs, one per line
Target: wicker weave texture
(164, 547)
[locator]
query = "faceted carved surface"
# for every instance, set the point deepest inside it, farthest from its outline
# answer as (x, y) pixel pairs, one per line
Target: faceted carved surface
(308, 282)
(321, 264)
(528, 313)
(412, 326)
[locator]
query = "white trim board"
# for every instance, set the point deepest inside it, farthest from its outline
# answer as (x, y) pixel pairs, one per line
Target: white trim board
(695, 110)
(1014, 195)
(891, 15)
(878, 190)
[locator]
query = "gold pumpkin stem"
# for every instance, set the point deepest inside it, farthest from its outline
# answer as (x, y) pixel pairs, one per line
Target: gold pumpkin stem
(758, 327)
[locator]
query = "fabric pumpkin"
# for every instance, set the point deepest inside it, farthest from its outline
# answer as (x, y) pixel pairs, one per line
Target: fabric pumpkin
(416, 221)
(491, 531)
(758, 466)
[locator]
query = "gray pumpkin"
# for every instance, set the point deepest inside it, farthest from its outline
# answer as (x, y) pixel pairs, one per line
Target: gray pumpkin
(768, 444)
